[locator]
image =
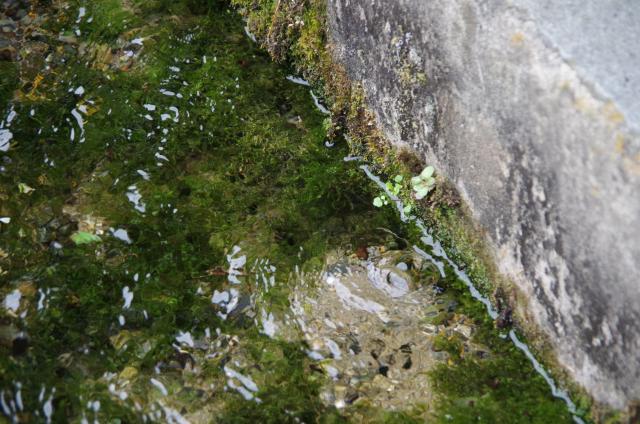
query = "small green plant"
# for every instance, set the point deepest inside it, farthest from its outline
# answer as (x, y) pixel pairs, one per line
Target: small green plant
(25, 189)
(394, 188)
(423, 183)
(82, 237)
(380, 201)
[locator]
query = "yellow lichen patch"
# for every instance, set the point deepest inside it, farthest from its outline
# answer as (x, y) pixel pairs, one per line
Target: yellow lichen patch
(619, 144)
(612, 113)
(32, 95)
(582, 105)
(43, 180)
(517, 38)
(27, 288)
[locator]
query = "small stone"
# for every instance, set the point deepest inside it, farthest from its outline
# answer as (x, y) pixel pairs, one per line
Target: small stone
(351, 396)
(7, 25)
(8, 54)
(382, 383)
(407, 363)
(464, 330)
(383, 370)
(128, 373)
(68, 39)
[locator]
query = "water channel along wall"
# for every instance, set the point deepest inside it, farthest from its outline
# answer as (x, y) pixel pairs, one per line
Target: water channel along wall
(531, 110)
(190, 232)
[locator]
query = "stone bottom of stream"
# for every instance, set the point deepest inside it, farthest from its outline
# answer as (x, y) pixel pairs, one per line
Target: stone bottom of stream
(178, 243)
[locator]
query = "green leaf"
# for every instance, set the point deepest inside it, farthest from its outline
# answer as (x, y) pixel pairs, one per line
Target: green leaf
(25, 189)
(407, 209)
(415, 181)
(377, 202)
(398, 178)
(427, 172)
(82, 237)
(421, 194)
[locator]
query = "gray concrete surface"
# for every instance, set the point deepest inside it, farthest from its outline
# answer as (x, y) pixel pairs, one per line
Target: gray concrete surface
(530, 108)
(601, 39)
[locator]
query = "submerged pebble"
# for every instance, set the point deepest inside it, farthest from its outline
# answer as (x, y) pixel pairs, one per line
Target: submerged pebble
(12, 300)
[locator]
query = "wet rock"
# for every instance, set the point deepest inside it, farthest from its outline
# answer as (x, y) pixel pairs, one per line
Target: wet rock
(350, 396)
(13, 8)
(8, 54)
(68, 39)
(128, 373)
(38, 36)
(7, 26)
(463, 330)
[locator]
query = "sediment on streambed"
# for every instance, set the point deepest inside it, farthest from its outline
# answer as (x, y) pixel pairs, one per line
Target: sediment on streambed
(179, 215)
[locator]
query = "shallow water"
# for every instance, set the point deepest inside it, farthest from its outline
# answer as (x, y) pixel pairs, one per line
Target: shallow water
(204, 172)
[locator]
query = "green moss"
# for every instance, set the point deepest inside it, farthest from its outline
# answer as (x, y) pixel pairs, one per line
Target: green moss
(110, 20)
(9, 82)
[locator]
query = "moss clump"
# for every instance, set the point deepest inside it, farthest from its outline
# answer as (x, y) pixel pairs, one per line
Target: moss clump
(9, 72)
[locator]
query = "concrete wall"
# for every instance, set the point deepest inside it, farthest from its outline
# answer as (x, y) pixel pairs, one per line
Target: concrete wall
(530, 108)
